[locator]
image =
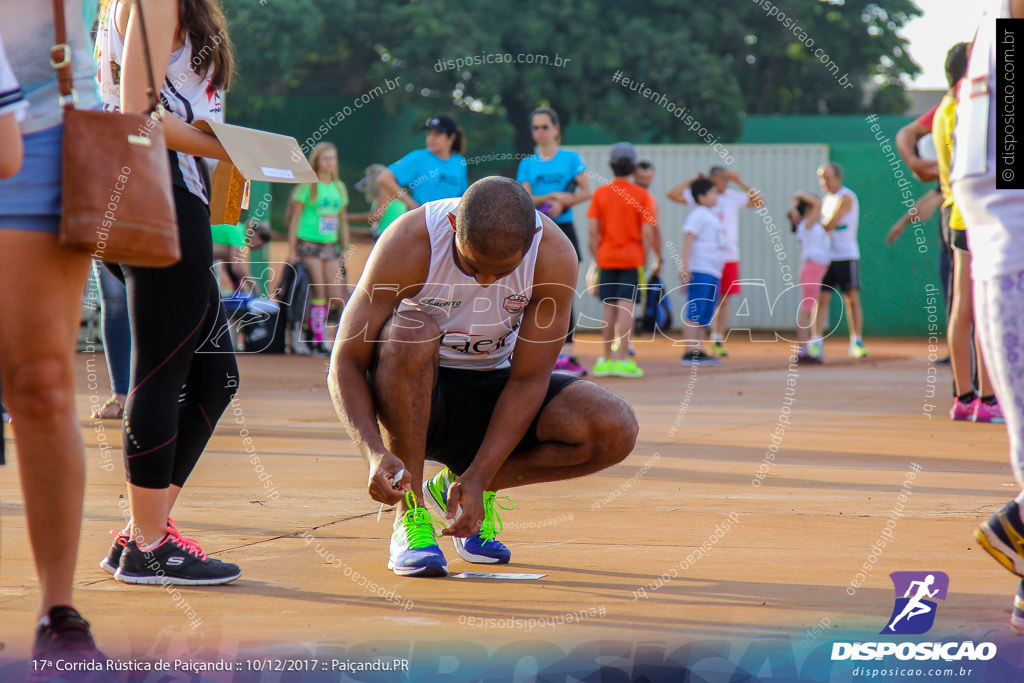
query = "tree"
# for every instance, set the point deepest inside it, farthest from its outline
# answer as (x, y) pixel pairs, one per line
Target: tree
(474, 60)
(689, 65)
(793, 57)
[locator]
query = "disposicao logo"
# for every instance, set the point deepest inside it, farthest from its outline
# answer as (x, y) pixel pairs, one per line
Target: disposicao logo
(913, 613)
(914, 610)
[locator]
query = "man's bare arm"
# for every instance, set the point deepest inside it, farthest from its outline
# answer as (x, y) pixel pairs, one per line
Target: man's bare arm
(906, 142)
(594, 232)
(845, 205)
(386, 280)
(754, 199)
(678, 193)
(924, 207)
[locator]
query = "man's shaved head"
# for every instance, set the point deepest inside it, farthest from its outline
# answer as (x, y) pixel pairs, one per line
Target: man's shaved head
(496, 218)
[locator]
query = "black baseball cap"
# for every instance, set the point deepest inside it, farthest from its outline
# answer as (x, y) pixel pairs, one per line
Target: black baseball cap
(442, 123)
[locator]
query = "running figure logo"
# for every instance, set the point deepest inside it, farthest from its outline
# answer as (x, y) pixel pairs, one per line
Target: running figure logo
(914, 612)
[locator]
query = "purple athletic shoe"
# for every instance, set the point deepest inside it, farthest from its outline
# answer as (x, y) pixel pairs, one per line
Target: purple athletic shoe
(984, 412)
(963, 411)
(567, 365)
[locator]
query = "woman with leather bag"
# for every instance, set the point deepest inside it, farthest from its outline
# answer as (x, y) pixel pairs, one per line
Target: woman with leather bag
(183, 366)
(40, 308)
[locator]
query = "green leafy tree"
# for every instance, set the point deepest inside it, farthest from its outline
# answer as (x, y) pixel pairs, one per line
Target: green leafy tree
(796, 64)
(460, 59)
(712, 62)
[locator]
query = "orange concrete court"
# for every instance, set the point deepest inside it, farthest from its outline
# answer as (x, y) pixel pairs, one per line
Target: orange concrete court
(795, 544)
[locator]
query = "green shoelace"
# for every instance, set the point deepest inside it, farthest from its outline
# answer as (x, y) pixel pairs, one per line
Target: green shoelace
(419, 524)
(492, 525)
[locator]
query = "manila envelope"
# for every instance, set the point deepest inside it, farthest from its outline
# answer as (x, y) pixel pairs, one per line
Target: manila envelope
(254, 155)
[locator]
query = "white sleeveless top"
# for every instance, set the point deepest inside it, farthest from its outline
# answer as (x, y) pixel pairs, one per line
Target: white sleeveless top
(844, 236)
(184, 93)
(479, 324)
(815, 243)
(994, 218)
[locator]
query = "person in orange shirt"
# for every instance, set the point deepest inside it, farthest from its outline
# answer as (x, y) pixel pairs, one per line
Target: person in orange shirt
(621, 220)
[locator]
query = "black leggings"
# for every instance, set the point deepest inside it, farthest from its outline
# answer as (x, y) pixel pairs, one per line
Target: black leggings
(183, 365)
(570, 231)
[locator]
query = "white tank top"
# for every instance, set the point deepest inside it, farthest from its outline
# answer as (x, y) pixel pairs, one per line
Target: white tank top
(844, 236)
(184, 93)
(815, 243)
(994, 218)
(479, 324)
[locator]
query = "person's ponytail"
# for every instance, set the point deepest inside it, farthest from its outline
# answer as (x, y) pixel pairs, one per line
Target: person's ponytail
(459, 141)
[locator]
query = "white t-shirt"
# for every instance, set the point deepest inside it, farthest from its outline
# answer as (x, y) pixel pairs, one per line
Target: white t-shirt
(844, 235)
(479, 325)
(710, 250)
(815, 244)
(994, 218)
(728, 208)
(11, 99)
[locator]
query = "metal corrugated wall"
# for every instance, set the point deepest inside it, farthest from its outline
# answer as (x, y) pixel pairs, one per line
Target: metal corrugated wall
(776, 170)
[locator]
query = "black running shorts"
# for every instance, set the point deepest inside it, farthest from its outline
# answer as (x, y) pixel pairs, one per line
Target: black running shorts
(618, 284)
(960, 240)
(843, 275)
(460, 412)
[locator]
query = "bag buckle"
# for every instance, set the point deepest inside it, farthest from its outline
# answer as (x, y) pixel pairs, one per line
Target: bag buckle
(65, 100)
(60, 56)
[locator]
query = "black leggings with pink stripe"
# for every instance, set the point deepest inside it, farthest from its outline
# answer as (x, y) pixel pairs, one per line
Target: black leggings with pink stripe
(183, 366)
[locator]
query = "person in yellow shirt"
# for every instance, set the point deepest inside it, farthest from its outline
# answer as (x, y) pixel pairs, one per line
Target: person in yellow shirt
(977, 406)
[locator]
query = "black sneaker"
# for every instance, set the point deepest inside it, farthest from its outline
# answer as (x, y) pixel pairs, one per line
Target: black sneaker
(64, 634)
(177, 561)
(699, 358)
(110, 563)
(1002, 537)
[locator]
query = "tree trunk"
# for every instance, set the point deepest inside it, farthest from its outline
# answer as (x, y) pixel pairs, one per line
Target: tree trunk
(518, 114)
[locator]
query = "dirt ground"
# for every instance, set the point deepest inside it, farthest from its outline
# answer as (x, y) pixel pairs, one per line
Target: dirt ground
(621, 550)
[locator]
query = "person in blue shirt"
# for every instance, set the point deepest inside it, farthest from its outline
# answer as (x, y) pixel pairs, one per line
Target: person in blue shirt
(437, 172)
(556, 180)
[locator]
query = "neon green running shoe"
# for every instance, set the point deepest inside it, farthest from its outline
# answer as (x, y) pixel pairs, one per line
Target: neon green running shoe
(414, 549)
(604, 368)
(628, 368)
(483, 546)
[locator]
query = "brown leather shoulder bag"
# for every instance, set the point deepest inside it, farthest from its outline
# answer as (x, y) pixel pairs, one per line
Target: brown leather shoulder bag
(118, 204)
